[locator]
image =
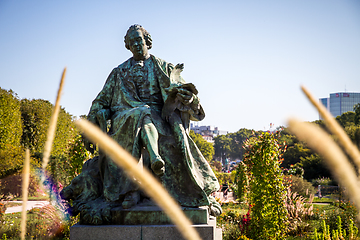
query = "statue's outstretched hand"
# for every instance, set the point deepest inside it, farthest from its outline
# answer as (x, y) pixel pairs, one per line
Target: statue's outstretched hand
(185, 96)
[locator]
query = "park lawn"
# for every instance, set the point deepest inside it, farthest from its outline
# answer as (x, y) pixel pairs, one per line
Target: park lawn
(323, 200)
(42, 198)
(235, 207)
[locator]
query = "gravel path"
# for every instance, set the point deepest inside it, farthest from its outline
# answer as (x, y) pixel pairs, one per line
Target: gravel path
(30, 205)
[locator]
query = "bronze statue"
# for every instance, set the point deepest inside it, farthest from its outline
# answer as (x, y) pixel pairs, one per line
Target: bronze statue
(149, 107)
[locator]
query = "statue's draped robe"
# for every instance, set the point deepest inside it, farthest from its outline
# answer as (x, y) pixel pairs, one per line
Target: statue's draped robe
(188, 176)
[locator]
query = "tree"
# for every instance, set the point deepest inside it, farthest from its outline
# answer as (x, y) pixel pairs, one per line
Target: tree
(76, 156)
(11, 160)
(10, 119)
(36, 115)
(287, 137)
(346, 119)
(206, 148)
(353, 132)
(237, 140)
(314, 167)
(222, 145)
(231, 145)
(11, 152)
(294, 153)
(64, 133)
(357, 114)
(295, 149)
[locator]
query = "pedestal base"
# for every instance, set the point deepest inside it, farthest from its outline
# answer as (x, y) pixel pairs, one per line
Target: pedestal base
(153, 215)
(141, 232)
(149, 214)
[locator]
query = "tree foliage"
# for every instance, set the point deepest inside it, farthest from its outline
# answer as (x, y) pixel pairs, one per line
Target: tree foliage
(353, 131)
(314, 167)
(24, 124)
(36, 115)
(222, 146)
(11, 160)
(346, 119)
(10, 119)
(357, 114)
(206, 148)
(300, 155)
(294, 153)
(231, 145)
(11, 152)
(76, 156)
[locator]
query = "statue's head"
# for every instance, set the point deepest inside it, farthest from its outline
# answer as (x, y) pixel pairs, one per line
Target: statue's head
(138, 41)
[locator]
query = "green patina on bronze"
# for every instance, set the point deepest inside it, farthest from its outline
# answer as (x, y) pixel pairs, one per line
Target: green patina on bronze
(149, 106)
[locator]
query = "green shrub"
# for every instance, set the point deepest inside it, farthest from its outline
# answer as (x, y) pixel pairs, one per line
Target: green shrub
(267, 195)
(300, 185)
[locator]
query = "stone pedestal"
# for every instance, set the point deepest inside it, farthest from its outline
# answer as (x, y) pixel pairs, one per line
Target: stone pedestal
(146, 223)
(153, 215)
(141, 232)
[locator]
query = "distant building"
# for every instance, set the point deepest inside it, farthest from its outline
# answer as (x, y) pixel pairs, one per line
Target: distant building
(341, 102)
(207, 132)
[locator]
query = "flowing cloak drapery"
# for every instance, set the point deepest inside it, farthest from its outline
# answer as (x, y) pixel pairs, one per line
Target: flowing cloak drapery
(188, 176)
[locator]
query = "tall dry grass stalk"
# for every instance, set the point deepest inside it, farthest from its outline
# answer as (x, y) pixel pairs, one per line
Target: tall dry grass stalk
(25, 190)
(145, 180)
(335, 128)
(323, 144)
(52, 125)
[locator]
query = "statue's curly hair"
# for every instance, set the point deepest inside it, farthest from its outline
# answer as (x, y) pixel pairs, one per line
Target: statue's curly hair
(146, 34)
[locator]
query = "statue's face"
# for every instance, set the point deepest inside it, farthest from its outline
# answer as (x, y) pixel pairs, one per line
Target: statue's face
(138, 45)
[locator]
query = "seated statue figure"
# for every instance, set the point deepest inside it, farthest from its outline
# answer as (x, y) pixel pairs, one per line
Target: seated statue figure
(149, 107)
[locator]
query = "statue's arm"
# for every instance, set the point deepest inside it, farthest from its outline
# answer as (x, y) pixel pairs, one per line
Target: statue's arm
(100, 109)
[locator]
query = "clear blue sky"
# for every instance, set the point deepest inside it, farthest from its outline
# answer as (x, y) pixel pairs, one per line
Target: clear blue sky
(247, 58)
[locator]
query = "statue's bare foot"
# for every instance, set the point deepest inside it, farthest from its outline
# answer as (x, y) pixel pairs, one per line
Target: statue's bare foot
(158, 166)
(131, 199)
